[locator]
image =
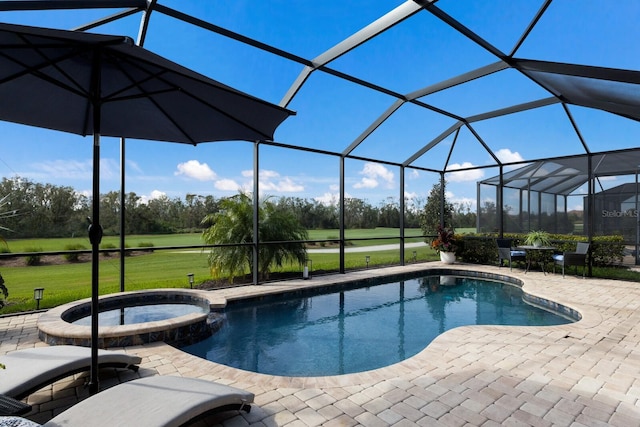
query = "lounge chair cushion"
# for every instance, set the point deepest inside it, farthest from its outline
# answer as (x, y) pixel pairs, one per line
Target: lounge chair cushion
(17, 422)
(158, 401)
(518, 253)
(31, 369)
(558, 257)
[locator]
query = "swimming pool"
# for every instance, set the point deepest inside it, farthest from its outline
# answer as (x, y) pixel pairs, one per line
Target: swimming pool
(361, 329)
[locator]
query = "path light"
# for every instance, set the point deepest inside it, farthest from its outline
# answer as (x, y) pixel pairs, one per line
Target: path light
(308, 268)
(190, 276)
(367, 259)
(37, 295)
(415, 256)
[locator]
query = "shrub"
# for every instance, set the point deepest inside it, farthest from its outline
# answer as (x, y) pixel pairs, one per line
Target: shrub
(147, 245)
(106, 246)
(4, 249)
(34, 259)
(74, 256)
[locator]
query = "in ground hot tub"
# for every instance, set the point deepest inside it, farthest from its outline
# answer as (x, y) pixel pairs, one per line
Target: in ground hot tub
(175, 316)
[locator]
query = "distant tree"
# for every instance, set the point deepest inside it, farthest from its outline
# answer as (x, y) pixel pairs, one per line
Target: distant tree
(430, 218)
(359, 213)
(463, 216)
(389, 213)
(279, 232)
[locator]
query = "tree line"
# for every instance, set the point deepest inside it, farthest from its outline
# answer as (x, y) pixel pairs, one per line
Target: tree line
(48, 210)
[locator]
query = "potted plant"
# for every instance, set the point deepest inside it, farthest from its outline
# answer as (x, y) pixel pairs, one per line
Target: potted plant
(538, 238)
(445, 244)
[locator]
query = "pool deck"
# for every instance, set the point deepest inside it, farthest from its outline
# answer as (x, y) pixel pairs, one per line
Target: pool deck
(581, 374)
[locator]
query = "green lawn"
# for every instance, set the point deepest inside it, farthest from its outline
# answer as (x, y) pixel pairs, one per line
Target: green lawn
(169, 268)
(162, 268)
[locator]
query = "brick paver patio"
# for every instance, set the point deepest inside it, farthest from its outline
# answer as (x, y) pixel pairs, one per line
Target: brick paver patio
(582, 374)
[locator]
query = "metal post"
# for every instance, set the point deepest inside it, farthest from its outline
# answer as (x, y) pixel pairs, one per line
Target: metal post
(341, 214)
(256, 207)
(122, 212)
(401, 213)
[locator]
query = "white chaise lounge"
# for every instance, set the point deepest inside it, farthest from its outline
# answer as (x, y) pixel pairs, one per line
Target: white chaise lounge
(31, 369)
(159, 401)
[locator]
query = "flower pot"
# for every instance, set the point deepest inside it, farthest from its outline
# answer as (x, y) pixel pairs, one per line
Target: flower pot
(448, 257)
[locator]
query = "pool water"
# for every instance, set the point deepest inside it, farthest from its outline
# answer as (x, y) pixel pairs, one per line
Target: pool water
(140, 314)
(361, 329)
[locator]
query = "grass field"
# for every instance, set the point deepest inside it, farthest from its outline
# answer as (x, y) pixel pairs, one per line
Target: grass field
(164, 268)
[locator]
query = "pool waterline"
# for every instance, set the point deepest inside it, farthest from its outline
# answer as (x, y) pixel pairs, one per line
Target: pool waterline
(316, 346)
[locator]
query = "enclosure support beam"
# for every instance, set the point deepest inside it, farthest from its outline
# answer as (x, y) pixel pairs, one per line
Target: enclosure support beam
(591, 209)
(442, 183)
(500, 204)
(401, 219)
(256, 206)
(341, 213)
(122, 212)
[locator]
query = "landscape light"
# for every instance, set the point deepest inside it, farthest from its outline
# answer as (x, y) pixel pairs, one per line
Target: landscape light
(37, 295)
(308, 268)
(190, 276)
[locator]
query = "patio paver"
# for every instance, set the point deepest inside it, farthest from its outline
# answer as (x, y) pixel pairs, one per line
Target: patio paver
(585, 373)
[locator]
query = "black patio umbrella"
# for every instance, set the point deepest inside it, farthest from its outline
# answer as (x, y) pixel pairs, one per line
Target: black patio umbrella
(92, 84)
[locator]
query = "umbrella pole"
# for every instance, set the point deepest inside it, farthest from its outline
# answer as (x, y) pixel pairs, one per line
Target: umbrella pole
(95, 236)
(95, 229)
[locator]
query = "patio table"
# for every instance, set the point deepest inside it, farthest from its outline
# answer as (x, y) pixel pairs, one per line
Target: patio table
(530, 250)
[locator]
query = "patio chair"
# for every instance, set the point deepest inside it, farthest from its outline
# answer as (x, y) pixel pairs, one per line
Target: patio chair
(576, 258)
(158, 401)
(507, 252)
(31, 369)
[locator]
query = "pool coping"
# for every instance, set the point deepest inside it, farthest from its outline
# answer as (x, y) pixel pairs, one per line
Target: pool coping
(180, 330)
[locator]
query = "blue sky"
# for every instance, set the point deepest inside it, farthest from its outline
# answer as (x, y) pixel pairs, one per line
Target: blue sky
(332, 113)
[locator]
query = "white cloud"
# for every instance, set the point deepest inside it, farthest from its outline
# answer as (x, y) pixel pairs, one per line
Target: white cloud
(331, 199)
(334, 187)
(414, 174)
(507, 156)
(134, 165)
(155, 194)
(227, 185)
(467, 201)
(328, 199)
(366, 183)
(272, 181)
(373, 173)
(68, 169)
(410, 195)
(196, 170)
(463, 176)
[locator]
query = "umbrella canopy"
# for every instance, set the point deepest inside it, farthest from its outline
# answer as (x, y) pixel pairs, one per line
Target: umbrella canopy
(91, 84)
(58, 79)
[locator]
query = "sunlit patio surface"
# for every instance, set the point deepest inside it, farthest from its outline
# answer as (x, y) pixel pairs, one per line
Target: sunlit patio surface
(585, 373)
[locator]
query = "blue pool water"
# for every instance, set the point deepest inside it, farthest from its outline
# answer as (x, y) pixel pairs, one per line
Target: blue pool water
(361, 329)
(140, 314)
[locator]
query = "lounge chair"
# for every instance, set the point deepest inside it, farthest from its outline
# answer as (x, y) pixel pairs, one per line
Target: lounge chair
(507, 252)
(159, 401)
(31, 369)
(576, 258)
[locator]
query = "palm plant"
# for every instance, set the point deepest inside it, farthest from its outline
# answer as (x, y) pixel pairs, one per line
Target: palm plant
(232, 227)
(3, 215)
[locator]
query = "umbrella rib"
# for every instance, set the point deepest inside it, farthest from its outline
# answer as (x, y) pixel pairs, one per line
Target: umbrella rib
(158, 76)
(36, 71)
